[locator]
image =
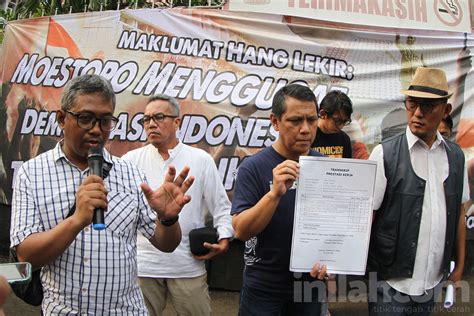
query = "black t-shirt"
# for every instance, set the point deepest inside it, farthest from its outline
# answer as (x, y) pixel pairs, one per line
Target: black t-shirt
(336, 145)
(267, 255)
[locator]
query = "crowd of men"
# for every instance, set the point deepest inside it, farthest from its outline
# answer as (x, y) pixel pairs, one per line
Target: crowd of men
(155, 195)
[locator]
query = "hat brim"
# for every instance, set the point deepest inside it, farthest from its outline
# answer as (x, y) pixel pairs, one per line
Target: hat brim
(426, 95)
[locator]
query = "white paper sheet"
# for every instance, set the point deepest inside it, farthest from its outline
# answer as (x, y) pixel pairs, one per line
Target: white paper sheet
(333, 214)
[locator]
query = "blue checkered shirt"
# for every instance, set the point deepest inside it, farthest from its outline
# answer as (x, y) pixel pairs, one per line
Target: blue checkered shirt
(97, 274)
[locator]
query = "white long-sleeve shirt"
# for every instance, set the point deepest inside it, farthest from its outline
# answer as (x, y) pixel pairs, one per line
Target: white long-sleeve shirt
(207, 194)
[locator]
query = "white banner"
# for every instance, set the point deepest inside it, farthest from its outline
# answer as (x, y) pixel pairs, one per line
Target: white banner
(224, 67)
(442, 15)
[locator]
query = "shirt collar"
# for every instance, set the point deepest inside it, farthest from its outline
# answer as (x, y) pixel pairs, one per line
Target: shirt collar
(413, 139)
(173, 152)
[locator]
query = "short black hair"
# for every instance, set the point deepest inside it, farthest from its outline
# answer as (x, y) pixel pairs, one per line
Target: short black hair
(293, 90)
(335, 101)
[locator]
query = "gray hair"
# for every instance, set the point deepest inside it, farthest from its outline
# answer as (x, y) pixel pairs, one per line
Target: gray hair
(172, 101)
(86, 84)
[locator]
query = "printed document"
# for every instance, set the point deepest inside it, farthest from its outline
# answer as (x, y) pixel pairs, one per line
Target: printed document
(333, 214)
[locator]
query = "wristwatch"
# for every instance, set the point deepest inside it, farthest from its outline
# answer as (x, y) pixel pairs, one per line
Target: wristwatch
(169, 222)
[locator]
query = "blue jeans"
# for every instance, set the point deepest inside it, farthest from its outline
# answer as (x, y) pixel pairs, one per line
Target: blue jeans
(261, 303)
(390, 302)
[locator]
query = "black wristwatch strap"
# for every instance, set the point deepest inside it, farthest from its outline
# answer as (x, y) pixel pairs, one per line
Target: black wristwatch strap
(169, 222)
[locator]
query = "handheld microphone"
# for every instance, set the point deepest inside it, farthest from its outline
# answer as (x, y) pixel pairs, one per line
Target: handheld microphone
(95, 161)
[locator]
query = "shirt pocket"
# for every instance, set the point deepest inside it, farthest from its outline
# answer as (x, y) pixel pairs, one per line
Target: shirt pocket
(122, 215)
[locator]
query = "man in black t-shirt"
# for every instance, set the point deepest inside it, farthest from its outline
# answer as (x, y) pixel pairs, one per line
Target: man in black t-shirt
(334, 113)
(263, 210)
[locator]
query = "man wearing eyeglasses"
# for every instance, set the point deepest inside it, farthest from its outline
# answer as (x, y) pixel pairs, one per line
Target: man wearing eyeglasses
(421, 185)
(87, 271)
(179, 275)
(334, 113)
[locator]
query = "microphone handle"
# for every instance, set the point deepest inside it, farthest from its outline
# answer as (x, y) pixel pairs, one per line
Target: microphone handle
(98, 222)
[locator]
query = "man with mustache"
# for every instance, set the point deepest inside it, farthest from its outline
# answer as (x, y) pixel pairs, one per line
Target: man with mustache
(88, 271)
(263, 210)
(179, 275)
(421, 185)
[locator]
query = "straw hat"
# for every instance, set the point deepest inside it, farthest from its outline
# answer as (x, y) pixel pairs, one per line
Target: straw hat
(428, 83)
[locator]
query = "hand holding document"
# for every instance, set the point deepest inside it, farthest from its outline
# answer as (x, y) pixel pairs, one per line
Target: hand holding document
(333, 214)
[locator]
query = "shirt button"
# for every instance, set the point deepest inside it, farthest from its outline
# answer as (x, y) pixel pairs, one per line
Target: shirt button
(86, 229)
(84, 290)
(413, 244)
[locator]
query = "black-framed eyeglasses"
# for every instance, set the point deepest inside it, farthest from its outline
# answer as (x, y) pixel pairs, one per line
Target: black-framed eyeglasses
(87, 121)
(341, 122)
(157, 118)
(425, 107)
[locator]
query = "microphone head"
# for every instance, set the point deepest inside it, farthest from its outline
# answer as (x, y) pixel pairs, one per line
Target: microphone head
(96, 151)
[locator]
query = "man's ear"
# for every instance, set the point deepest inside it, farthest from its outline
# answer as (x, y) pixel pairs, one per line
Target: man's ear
(447, 110)
(275, 121)
(177, 123)
(60, 118)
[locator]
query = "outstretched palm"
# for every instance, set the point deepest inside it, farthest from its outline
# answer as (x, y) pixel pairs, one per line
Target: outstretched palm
(168, 200)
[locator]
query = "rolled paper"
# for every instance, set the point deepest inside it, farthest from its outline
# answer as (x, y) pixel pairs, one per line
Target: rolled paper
(449, 298)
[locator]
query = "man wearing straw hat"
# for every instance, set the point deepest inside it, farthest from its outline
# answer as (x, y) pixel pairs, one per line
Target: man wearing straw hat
(418, 223)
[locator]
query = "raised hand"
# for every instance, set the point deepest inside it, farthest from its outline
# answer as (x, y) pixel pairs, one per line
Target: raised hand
(168, 200)
(284, 175)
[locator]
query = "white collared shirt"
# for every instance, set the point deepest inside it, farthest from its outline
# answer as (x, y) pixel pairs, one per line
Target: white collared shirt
(207, 194)
(430, 164)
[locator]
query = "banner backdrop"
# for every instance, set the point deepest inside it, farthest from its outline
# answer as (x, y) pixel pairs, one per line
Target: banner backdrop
(224, 68)
(442, 15)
